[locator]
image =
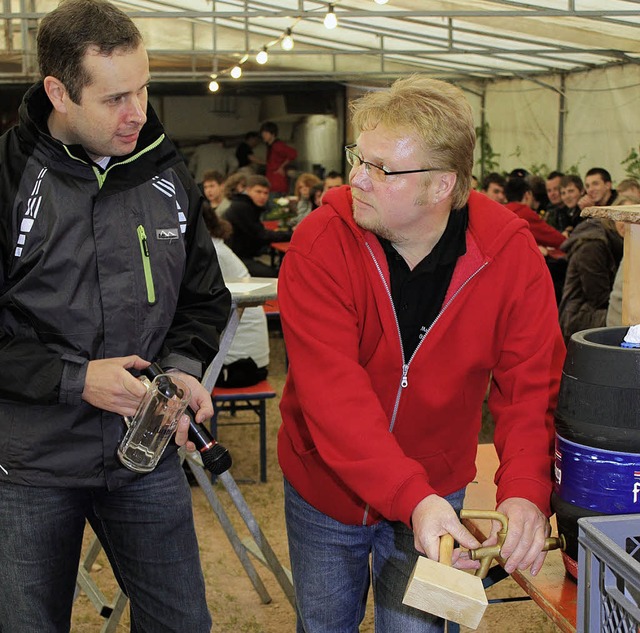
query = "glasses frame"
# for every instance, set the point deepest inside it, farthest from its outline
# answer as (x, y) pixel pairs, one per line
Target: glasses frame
(367, 165)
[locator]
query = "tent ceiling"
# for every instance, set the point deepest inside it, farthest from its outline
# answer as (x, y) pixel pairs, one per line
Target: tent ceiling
(452, 39)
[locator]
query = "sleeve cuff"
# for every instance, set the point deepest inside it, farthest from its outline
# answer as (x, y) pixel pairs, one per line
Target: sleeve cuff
(74, 373)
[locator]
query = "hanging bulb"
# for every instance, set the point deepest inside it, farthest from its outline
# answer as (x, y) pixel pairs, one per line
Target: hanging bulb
(214, 86)
(262, 57)
(330, 20)
(236, 72)
(287, 41)
(381, 1)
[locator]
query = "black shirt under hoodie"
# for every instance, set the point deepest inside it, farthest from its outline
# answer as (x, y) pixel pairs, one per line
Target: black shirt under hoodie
(418, 294)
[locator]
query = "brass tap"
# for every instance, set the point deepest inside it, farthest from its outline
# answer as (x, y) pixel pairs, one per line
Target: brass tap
(486, 554)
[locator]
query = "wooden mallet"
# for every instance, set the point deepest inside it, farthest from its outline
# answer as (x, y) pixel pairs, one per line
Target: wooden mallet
(449, 593)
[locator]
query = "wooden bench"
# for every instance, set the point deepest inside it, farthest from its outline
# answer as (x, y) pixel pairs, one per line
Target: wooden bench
(234, 399)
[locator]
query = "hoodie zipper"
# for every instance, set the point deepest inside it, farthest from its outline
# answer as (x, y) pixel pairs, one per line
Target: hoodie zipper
(146, 264)
(404, 381)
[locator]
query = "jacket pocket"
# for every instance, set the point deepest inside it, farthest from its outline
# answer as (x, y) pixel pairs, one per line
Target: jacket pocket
(146, 264)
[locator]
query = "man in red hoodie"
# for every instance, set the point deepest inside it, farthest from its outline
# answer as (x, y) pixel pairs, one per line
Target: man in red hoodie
(401, 297)
(519, 198)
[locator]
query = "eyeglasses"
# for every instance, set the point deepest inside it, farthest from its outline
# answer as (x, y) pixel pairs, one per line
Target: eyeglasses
(375, 172)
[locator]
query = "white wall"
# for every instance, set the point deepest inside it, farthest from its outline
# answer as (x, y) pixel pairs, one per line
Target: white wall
(601, 120)
(191, 120)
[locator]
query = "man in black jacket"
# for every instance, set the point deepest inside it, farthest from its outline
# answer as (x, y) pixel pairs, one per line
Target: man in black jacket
(250, 238)
(105, 265)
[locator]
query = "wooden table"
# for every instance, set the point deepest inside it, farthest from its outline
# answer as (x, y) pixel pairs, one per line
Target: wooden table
(552, 590)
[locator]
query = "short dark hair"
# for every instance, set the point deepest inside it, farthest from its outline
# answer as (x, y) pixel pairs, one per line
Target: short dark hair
(494, 178)
(572, 179)
(256, 180)
(213, 174)
(515, 189)
(249, 135)
(333, 174)
(555, 174)
(66, 33)
(217, 226)
(269, 126)
(519, 172)
(594, 171)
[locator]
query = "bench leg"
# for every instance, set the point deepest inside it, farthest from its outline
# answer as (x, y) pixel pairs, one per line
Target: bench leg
(263, 441)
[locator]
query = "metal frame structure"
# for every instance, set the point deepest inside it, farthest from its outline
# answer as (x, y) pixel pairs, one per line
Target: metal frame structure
(189, 40)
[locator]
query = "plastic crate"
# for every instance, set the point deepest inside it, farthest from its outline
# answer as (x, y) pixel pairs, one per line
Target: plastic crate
(609, 574)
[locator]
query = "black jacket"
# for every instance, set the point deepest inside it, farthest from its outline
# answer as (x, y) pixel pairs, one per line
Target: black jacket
(250, 237)
(594, 251)
(93, 264)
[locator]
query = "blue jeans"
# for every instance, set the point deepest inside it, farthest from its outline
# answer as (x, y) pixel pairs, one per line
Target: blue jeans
(146, 529)
(331, 571)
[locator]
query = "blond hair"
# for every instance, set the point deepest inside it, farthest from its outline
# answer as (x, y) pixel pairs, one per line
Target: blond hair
(439, 116)
(305, 179)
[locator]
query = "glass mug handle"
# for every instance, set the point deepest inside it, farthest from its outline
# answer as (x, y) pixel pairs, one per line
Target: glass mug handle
(147, 383)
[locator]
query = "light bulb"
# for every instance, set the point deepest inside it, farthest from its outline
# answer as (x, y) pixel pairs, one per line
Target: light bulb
(236, 72)
(287, 41)
(330, 20)
(381, 1)
(262, 57)
(214, 86)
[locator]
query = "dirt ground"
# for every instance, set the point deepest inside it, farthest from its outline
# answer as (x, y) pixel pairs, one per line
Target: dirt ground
(234, 603)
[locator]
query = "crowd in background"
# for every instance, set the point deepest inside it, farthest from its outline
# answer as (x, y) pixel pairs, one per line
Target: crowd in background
(583, 254)
(239, 187)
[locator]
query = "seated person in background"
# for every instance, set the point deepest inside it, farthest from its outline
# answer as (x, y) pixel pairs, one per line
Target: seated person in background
(614, 311)
(316, 193)
(235, 183)
(594, 249)
(599, 189)
(331, 180)
(553, 184)
(302, 191)
(628, 187)
(540, 202)
(248, 357)
(213, 187)
(250, 238)
(520, 197)
(519, 200)
(567, 216)
(493, 187)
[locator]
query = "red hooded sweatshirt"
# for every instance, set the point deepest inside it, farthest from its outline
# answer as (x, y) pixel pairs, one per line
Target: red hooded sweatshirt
(366, 433)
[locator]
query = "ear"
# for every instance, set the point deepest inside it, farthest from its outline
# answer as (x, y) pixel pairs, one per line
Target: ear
(444, 184)
(56, 92)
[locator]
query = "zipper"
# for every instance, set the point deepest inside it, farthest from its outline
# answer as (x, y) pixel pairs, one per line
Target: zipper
(404, 381)
(102, 177)
(146, 264)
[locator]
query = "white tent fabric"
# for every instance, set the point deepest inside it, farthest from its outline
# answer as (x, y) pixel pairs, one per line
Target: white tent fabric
(556, 82)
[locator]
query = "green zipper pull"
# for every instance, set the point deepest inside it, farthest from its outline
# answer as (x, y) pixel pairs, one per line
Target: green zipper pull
(146, 264)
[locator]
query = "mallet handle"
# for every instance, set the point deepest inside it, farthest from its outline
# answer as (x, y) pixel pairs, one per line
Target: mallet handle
(446, 549)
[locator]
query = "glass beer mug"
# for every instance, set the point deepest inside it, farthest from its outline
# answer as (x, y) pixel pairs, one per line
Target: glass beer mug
(154, 423)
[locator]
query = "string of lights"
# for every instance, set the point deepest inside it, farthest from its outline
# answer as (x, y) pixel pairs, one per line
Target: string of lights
(286, 43)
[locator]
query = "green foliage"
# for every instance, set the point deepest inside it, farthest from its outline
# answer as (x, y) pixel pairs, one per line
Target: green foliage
(632, 164)
(574, 169)
(540, 169)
